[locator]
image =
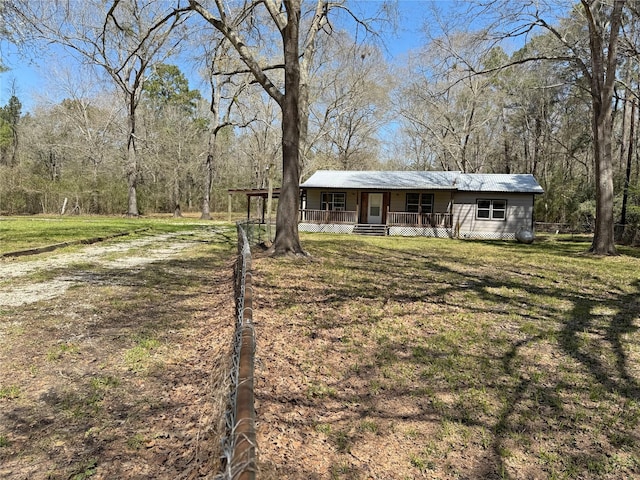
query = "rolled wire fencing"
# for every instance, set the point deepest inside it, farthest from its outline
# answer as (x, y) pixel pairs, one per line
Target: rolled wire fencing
(239, 447)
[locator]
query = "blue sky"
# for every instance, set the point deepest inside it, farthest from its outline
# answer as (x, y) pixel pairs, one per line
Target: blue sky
(31, 78)
(24, 76)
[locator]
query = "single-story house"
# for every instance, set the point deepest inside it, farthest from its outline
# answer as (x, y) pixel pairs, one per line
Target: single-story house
(425, 203)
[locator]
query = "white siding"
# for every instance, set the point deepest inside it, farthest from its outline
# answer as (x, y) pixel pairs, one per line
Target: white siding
(465, 222)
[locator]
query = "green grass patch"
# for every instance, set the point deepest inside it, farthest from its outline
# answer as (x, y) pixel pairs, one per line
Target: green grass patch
(139, 357)
(136, 441)
(10, 393)
(85, 470)
(61, 350)
(22, 233)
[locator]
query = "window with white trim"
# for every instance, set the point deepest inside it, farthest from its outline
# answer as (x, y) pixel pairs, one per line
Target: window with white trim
(334, 201)
(417, 200)
(489, 209)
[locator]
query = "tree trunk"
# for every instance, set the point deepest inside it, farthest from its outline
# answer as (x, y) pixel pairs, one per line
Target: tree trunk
(212, 154)
(206, 194)
(603, 237)
(602, 78)
(269, 201)
(306, 62)
(95, 191)
(304, 114)
(132, 173)
(177, 211)
(505, 144)
(627, 177)
(287, 239)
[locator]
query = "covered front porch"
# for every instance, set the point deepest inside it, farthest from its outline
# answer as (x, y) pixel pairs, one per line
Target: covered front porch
(401, 213)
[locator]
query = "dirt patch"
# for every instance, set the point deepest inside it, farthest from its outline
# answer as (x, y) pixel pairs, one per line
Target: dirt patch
(409, 359)
(114, 365)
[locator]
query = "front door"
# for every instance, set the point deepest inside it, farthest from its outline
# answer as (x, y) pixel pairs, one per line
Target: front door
(375, 208)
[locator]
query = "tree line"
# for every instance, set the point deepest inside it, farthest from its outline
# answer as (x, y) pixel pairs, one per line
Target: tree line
(293, 87)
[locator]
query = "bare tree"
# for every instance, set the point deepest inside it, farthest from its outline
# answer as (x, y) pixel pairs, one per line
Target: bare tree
(604, 28)
(68, 152)
(286, 18)
(587, 40)
(92, 120)
(259, 141)
(455, 112)
(352, 103)
(292, 94)
(122, 40)
(225, 90)
(598, 64)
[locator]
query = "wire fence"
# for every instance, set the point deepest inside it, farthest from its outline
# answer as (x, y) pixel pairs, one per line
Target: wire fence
(566, 228)
(628, 234)
(258, 232)
(240, 444)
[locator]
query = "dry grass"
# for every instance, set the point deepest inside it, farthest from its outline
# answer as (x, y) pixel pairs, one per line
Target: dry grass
(379, 358)
(123, 375)
(412, 358)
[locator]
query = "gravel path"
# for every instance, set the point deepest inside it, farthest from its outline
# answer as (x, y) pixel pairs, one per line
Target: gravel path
(133, 255)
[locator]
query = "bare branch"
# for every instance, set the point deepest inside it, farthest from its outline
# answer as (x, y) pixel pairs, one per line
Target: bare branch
(278, 15)
(279, 66)
(242, 49)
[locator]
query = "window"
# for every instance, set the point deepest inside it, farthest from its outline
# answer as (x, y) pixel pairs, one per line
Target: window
(334, 201)
(417, 200)
(491, 209)
(499, 209)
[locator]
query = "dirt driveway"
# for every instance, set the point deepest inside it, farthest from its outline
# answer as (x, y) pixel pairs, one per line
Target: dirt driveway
(113, 358)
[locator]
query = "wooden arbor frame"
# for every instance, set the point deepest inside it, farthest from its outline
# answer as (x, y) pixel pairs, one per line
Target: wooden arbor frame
(251, 193)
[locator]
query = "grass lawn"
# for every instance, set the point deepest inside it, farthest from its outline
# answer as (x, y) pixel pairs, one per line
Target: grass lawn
(412, 358)
(20, 233)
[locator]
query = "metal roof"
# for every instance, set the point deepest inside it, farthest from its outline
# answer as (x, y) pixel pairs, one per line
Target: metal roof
(498, 182)
(381, 180)
(423, 180)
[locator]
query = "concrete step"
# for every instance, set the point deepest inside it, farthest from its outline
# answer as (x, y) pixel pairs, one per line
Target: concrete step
(370, 229)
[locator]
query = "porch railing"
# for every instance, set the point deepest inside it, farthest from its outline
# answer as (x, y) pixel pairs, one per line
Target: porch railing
(396, 219)
(328, 216)
(407, 219)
